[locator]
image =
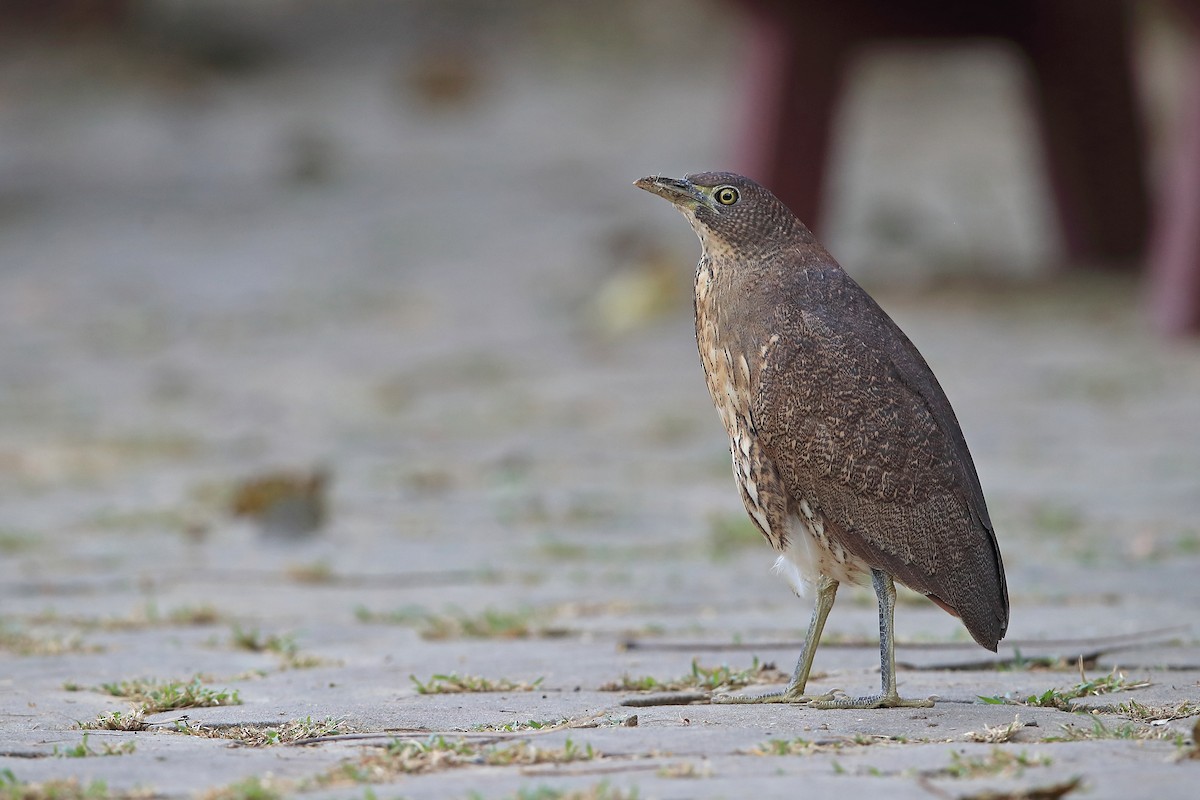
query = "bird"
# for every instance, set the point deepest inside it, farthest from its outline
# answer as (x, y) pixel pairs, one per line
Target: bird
(846, 452)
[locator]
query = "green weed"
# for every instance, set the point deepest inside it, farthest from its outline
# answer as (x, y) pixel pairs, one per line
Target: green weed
(146, 617)
(1143, 713)
(61, 789)
(805, 747)
(710, 678)
(117, 721)
(600, 791)
(83, 750)
(517, 726)
(152, 697)
(1063, 699)
(22, 643)
(408, 757)
(269, 735)
(997, 761)
(252, 788)
(1098, 730)
(282, 645)
(490, 623)
(457, 684)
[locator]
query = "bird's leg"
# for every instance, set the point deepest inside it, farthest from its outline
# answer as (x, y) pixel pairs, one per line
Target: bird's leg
(826, 594)
(885, 591)
(794, 693)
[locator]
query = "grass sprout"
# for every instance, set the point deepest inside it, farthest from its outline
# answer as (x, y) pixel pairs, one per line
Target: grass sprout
(269, 735)
(458, 684)
(711, 678)
(84, 750)
(23, 643)
(805, 747)
(410, 757)
(998, 760)
(1098, 731)
(600, 791)
(282, 645)
(252, 788)
(1139, 712)
(525, 623)
(117, 721)
(518, 726)
(1063, 699)
(62, 789)
(152, 697)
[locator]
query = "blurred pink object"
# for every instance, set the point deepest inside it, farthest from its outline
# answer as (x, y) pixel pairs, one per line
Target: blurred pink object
(1175, 250)
(1080, 55)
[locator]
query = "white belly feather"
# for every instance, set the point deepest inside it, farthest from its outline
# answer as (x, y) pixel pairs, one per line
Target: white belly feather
(810, 554)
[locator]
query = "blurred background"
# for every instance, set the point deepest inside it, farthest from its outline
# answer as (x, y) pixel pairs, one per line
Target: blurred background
(363, 288)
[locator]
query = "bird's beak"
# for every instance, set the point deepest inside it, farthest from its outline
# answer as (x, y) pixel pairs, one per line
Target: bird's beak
(681, 193)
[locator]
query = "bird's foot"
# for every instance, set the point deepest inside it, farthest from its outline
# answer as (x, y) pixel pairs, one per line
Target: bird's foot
(837, 699)
(786, 696)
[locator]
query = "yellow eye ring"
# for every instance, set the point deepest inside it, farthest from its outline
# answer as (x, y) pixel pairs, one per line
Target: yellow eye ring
(726, 195)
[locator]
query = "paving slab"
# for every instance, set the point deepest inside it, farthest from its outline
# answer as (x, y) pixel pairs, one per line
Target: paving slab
(428, 276)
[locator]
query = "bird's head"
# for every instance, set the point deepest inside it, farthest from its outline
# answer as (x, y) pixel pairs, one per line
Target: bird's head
(729, 211)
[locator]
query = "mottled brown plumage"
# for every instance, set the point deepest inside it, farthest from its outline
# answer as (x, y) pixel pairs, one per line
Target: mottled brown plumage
(847, 454)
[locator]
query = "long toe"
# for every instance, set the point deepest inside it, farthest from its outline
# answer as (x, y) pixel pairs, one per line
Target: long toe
(874, 701)
(786, 696)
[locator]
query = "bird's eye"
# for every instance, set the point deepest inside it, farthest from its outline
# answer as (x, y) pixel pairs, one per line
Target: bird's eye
(726, 195)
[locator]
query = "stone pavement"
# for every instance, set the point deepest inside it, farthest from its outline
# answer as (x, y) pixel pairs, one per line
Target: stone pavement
(432, 279)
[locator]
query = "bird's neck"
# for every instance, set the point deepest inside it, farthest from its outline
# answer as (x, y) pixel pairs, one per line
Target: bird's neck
(715, 279)
(706, 278)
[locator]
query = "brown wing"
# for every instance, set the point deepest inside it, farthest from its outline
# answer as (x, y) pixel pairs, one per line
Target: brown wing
(852, 416)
